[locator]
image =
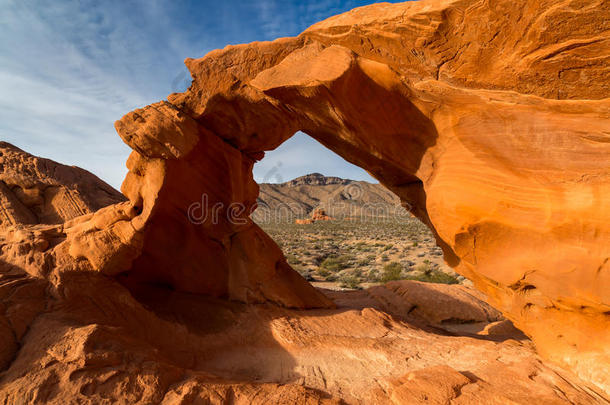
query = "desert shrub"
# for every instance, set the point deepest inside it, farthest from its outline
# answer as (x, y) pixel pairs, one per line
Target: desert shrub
(391, 271)
(335, 263)
(350, 281)
(373, 276)
(305, 272)
(435, 276)
(415, 244)
(388, 247)
(292, 259)
(323, 272)
(423, 268)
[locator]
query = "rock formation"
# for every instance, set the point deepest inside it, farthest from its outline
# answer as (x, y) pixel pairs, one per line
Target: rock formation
(317, 215)
(34, 190)
(490, 119)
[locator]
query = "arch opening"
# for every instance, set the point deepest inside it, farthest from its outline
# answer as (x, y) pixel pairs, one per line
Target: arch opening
(338, 232)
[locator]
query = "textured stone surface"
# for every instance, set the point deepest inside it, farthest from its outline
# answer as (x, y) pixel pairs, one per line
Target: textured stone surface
(490, 119)
(90, 339)
(35, 190)
(436, 304)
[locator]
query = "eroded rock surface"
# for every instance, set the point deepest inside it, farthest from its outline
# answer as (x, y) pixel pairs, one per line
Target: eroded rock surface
(99, 341)
(491, 120)
(35, 190)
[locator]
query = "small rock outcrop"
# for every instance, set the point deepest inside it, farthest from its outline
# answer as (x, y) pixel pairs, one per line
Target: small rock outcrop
(317, 215)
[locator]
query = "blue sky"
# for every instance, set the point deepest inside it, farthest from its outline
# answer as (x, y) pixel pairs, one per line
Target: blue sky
(69, 69)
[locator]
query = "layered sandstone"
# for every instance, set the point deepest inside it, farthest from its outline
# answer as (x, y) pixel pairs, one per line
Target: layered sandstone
(491, 120)
(35, 190)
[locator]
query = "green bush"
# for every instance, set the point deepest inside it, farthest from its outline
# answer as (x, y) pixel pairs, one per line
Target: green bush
(323, 272)
(435, 276)
(350, 282)
(335, 263)
(392, 271)
(292, 259)
(423, 268)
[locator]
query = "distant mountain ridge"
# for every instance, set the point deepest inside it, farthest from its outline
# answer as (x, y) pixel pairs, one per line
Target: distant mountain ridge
(317, 179)
(339, 197)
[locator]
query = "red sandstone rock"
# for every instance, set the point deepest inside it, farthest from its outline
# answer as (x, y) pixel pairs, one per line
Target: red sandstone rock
(96, 340)
(434, 303)
(463, 110)
(317, 215)
(490, 120)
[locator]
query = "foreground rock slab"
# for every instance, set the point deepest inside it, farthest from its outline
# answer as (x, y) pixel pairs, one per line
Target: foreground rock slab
(103, 342)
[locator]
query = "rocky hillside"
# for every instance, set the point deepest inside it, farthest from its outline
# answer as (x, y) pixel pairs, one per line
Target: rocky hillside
(338, 197)
(35, 190)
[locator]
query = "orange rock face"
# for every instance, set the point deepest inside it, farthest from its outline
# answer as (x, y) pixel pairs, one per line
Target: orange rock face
(491, 120)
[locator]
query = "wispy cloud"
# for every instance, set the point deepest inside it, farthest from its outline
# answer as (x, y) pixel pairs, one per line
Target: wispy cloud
(69, 69)
(302, 155)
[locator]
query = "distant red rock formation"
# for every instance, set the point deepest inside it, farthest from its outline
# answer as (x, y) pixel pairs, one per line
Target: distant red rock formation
(319, 214)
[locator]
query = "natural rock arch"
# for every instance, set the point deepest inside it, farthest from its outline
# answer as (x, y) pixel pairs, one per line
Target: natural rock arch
(476, 127)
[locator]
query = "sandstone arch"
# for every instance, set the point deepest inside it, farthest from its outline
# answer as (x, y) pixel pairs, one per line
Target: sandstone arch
(497, 134)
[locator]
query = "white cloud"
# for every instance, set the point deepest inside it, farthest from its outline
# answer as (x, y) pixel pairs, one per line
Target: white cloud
(67, 74)
(302, 155)
(70, 68)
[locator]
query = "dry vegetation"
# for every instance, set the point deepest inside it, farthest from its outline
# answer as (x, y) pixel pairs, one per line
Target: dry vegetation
(356, 254)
